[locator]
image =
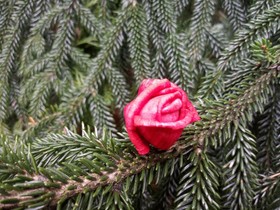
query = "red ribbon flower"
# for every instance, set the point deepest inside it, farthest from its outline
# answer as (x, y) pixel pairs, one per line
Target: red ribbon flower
(158, 115)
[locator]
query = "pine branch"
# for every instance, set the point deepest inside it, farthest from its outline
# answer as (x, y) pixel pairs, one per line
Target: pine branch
(41, 8)
(200, 23)
(236, 13)
(62, 46)
(178, 63)
(240, 106)
(260, 6)
(180, 5)
(169, 190)
(268, 189)
(263, 25)
(73, 106)
(198, 186)
(165, 15)
(7, 9)
(157, 38)
(119, 88)
(117, 163)
(81, 59)
(41, 127)
(9, 56)
(86, 91)
(240, 169)
(89, 21)
(65, 84)
(212, 86)
(5, 130)
(102, 116)
(138, 44)
(268, 134)
(109, 51)
(38, 89)
(216, 39)
(246, 69)
(31, 61)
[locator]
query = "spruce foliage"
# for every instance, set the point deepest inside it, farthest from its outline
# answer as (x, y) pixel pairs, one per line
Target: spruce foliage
(68, 68)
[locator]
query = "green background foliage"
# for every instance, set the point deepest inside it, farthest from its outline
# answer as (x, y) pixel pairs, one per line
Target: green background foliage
(68, 68)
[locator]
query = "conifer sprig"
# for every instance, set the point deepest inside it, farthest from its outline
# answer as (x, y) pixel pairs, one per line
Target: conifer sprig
(71, 64)
(114, 164)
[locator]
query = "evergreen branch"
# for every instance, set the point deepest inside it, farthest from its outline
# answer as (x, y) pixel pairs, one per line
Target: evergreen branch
(246, 69)
(159, 63)
(119, 164)
(73, 107)
(42, 6)
(178, 63)
(6, 11)
(81, 59)
(43, 83)
(35, 67)
(99, 111)
(268, 189)
(157, 38)
(66, 84)
(236, 13)
(31, 61)
(5, 131)
(4, 103)
(198, 186)
(109, 51)
(200, 23)
(260, 6)
(62, 46)
(240, 184)
(180, 5)
(14, 99)
(81, 147)
(165, 15)
(39, 128)
(138, 44)
(268, 134)
(212, 86)
(89, 21)
(64, 38)
(216, 39)
(155, 31)
(119, 88)
(241, 105)
(97, 74)
(206, 66)
(51, 18)
(41, 95)
(9, 56)
(102, 116)
(263, 25)
(169, 190)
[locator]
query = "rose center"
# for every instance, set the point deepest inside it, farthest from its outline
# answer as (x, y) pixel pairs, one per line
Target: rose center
(171, 111)
(163, 108)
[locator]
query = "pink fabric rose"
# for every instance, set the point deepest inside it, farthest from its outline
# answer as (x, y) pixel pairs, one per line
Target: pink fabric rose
(158, 115)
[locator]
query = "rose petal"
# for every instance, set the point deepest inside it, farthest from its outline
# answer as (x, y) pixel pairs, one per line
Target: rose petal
(158, 115)
(187, 105)
(140, 144)
(172, 107)
(139, 121)
(146, 83)
(134, 107)
(153, 109)
(161, 138)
